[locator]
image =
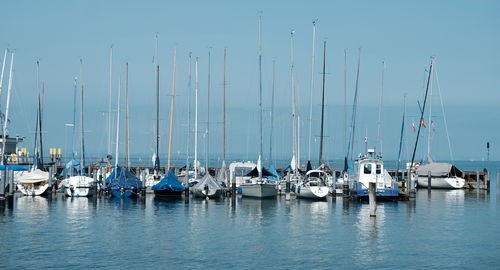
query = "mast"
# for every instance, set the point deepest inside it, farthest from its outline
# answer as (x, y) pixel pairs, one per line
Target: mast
(272, 115)
(3, 69)
(207, 139)
(74, 119)
(260, 98)
(320, 159)
(294, 115)
(379, 122)
(354, 107)
(40, 112)
(224, 113)
(157, 159)
(402, 135)
(171, 113)
(196, 120)
(82, 148)
(118, 123)
(430, 121)
(422, 113)
(188, 126)
(110, 118)
(7, 109)
(311, 93)
(127, 151)
(345, 102)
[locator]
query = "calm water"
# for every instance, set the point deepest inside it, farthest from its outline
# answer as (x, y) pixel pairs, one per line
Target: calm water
(446, 230)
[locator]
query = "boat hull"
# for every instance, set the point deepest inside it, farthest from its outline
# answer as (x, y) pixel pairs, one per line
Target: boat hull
(212, 193)
(259, 190)
(441, 182)
(31, 190)
(123, 193)
(314, 192)
(168, 193)
(79, 191)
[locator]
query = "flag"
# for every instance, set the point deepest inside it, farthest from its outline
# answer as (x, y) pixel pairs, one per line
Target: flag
(433, 125)
(413, 127)
(423, 123)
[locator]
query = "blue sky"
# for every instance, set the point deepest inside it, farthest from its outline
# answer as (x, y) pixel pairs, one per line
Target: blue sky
(462, 35)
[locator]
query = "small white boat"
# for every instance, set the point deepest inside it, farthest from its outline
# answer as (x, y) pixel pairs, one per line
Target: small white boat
(238, 172)
(34, 183)
(207, 188)
(313, 186)
(443, 175)
(259, 189)
(79, 186)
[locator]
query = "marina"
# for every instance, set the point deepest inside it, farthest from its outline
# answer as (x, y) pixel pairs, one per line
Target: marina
(249, 135)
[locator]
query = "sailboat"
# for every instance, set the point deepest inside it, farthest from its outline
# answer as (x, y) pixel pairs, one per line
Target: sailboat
(169, 185)
(79, 185)
(259, 186)
(443, 175)
(121, 182)
(35, 182)
(208, 186)
(314, 184)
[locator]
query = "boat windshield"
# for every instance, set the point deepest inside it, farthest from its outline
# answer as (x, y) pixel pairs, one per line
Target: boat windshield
(242, 171)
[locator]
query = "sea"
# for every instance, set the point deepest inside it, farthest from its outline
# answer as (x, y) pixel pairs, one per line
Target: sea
(444, 229)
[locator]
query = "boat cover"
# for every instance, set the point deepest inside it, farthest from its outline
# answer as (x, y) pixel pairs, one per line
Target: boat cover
(123, 179)
(207, 180)
(223, 175)
(35, 176)
(438, 169)
(67, 168)
(255, 173)
(169, 182)
(13, 167)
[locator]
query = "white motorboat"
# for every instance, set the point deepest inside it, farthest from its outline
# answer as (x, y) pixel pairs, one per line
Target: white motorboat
(313, 186)
(238, 172)
(34, 183)
(79, 186)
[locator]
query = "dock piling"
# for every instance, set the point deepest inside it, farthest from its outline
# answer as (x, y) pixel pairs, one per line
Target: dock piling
(429, 182)
(287, 189)
(372, 196)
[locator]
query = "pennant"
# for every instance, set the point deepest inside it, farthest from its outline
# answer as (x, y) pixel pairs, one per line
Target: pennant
(413, 127)
(423, 123)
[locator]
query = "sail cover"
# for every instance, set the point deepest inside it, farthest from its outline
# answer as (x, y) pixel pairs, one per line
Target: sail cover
(255, 173)
(123, 178)
(169, 182)
(67, 169)
(438, 169)
(209, 181)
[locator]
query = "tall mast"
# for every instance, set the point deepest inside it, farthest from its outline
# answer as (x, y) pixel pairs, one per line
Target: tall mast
(320, 159)
(207, 139)
(171, 113)
(188, 123)
(157, 159)
(379, 122)
(422, 113)
(294, 113)
(127, 151)
(110, 118)
(260, 97)
(272, 115)
(118, 123)
(3, 69)
(82, 149)
(196, 120)
(224, 113)
(311, 93)
(345, 102)
(401, 135)
(75, 89)
(354, 107)
(430, 120)
(7, 109)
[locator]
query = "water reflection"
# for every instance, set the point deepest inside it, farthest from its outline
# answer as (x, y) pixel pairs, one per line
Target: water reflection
(259, 211)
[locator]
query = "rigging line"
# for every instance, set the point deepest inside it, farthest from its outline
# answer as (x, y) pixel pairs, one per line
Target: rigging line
(444, 116)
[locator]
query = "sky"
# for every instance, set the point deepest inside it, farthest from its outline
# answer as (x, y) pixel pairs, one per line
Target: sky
(461, 35)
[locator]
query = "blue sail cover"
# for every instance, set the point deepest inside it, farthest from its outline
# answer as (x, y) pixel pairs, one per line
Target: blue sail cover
(273, 171)
(13, 167)
(124, 179)
(169, 182)
(67, 168)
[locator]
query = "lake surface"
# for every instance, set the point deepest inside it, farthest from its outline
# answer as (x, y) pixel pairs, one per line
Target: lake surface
(455, 229)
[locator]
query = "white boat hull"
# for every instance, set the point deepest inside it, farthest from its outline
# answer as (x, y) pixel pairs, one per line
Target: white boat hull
(258, 190)
(314, 192)
(212, 193)
(79, 186)
(83, 191)
(442, 182)
(33, 190)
